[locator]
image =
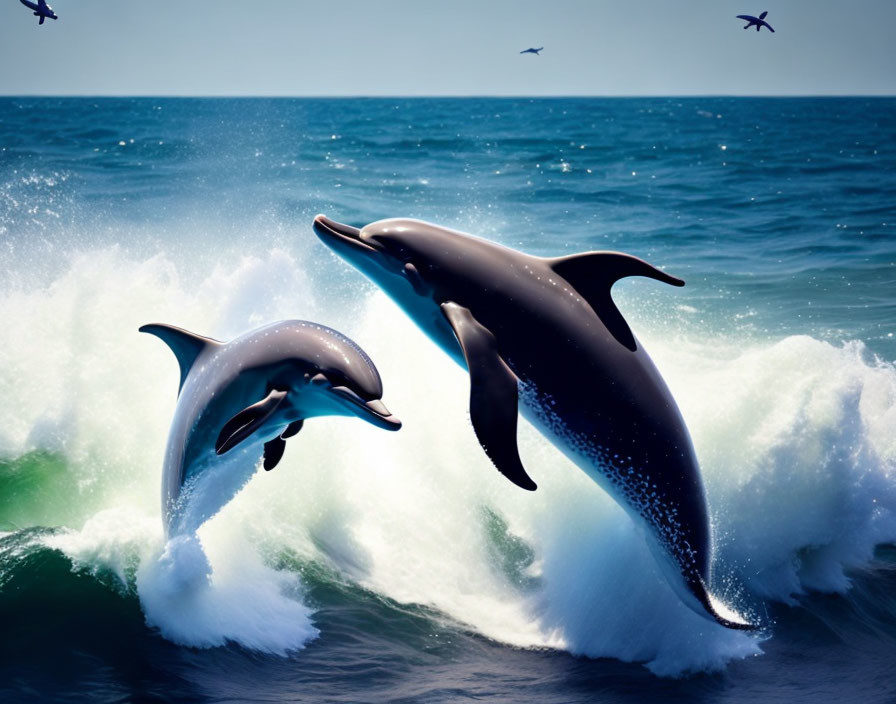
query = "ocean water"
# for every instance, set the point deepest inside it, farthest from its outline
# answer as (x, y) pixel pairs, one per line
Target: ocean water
(384, 567)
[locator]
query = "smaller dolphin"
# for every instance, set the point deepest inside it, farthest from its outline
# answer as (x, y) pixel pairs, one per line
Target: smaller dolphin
(758, 22)
(240, 400)
(41, 9)
(530, 50)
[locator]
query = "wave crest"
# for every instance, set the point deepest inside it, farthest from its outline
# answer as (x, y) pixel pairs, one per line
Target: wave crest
(796, 440)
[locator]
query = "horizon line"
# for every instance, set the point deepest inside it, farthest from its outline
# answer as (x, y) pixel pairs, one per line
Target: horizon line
(437, 96)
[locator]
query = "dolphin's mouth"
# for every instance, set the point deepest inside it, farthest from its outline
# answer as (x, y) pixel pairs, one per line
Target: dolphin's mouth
(331, 231)
(374, 411)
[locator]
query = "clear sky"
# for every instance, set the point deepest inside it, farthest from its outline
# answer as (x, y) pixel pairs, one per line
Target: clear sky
(455, 47)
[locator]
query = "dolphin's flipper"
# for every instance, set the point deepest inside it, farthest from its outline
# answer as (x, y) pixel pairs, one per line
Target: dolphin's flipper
(494, 394)
(185, 345)
(592, 274)
(292, 429)
(273, 452)
(247, 421)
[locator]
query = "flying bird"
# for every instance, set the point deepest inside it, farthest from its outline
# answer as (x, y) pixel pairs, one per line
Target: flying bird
(41, 9)
(758, 22)
(530, 50)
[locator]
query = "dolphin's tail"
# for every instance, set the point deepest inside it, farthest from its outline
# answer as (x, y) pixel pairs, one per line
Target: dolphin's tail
(692, 590)
(716, 610)
(725, 616)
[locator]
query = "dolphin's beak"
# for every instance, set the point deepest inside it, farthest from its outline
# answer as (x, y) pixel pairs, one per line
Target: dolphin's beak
(374, 411)
(381, 415)
(334, 233)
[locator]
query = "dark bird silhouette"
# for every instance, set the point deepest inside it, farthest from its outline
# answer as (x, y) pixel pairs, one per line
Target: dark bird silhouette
(758, 22)
(530, 50)
(41, 9)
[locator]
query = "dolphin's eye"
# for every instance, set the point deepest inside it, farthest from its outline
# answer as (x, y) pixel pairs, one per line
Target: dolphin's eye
(402, 253)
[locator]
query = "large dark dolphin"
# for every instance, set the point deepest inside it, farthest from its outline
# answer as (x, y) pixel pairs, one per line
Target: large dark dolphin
(545, 333)
(242, 399)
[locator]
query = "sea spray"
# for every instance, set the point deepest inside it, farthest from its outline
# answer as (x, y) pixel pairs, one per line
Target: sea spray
(193, 599)
(241, 600)
(794, 439)
(180, 571)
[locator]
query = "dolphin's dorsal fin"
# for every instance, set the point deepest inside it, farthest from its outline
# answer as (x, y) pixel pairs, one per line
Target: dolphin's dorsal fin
(593, 274)
(494, 394)
(185, 345)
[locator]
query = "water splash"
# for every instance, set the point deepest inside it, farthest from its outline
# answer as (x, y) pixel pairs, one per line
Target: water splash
(795, 439)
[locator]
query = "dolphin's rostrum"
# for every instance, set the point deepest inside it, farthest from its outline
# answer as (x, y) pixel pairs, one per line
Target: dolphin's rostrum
(544, 335)
(241, 399)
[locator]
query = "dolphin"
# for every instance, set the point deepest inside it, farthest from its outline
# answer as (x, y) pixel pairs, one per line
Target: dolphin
(242, 399)
(544, 336)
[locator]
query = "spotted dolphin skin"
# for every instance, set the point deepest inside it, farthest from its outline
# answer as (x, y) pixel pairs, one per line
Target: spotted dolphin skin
(544, 336)
(242, 399)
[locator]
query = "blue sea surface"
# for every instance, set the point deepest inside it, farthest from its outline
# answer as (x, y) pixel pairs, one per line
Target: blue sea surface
(427, 577)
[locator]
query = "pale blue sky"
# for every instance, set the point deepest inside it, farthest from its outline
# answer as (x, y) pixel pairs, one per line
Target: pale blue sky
(456, 47)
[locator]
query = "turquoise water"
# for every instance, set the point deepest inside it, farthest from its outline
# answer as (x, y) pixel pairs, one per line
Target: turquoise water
(403, 568)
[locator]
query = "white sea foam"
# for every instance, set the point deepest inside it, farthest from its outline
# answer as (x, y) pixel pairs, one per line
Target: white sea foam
(190, 598)
(796, 439)
(230, 596)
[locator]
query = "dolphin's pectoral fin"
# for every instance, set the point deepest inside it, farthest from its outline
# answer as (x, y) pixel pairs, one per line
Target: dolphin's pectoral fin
(494, 394)
(593, 274)
(292, 429)
(273, 449)
(247, 421)
(273, 452)
(185, 345)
